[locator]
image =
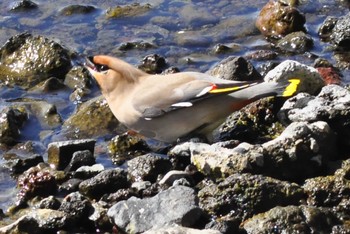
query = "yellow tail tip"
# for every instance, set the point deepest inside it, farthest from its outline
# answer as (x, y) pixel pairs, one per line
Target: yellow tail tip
(291, 88)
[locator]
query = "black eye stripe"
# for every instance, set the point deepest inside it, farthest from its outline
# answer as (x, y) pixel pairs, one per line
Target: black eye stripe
(98, 67)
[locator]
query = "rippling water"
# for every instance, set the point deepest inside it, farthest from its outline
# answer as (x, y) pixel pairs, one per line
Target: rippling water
(184, 32)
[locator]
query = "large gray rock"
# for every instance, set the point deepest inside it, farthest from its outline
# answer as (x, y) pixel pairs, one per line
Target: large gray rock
(176, 206)
(181, 230)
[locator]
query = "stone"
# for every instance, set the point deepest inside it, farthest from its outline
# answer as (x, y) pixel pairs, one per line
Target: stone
(86, 172)
(77, 9)
(295, 42)
(79, 159)
(60, 153)
(153, 64)
(107, 181)
(175, 206)
(170, 177)
(77, 207)
(182, 230)
(11, 120)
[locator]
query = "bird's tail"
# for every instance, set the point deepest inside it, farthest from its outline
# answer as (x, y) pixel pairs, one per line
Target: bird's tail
(281, 88)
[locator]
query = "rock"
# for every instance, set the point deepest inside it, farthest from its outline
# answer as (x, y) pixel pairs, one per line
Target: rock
(139, 186)
(175, 206)
(182, 230)
(340, 35)
(235, 68)
(77, 9)
(331, 105)
(80, 158)
(301, 151)
(139, 45)
(311, 81)
(241, 196)
(277, 19)
(330, 75)
(292, 219)
(23, 5)
(224, 224)
(342, 59)
(134, 9)
(223, 49)
(329, 191)
(170, 177)
(27, 60)
(39, 221)
(326, 28)
(147, 167)
(295, 42)
(261, 55)
(11, 121)
(49, 85)
(61, 153)
(107, 181)
(153, 64)
(71, 185)
(99, 216)
(99, 117)
(78, 77)
(49, 202)
(19, 164)
(86, 172)
(36, 181)
(125, 147)
(77, 208)
(46, 113)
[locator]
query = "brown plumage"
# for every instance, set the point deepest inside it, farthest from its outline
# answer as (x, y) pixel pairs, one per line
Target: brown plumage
(166, 107)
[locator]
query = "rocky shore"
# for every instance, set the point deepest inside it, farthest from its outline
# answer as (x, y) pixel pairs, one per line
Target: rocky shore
(276, 166)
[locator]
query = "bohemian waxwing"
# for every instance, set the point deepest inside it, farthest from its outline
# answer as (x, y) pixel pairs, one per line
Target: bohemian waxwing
(167, 107)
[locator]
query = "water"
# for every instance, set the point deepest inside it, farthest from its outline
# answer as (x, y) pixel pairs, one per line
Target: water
(184, 32)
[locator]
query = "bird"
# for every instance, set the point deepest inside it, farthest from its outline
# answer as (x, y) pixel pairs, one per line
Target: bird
(173, 106)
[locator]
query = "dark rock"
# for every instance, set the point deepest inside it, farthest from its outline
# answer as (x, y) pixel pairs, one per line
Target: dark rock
(243, 195)
(107, 181)
(71, 185)
(86, 172)
(330, 190)
(153, 64)
(77, 208)
(292, 219)
(295, 42)
(23, 5)
(126, 146)
(80, 158)
(222, 49)
(18, 164)
(99, 216)
(11, 121)
(46, 113)
(39, 221)
(142, 45)
(182, 230)
(134, 9)
(49, 85)
(27, 60)
(235, 68)
(120, 195)
(177, 205)
(99, 117)
(78, 77)
(261, 55)
(326, 28)
(49, 203)
(342, 59)
(224, 224)
(60, 153)
(340, 35)
(77, 9)
(277, 19)
(331, 105)
(148, 167)
(36, 181)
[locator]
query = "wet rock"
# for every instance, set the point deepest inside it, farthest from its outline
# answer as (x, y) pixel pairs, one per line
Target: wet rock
(171, 70)
(223, 49)
(330, 75)
(330, 190)
(261, 55)
(49, 85)
(311, 81)
(27, 60)
(71, 185)
(77, 208)
(148, 167)
(342, 59)
(36, 181)
(19, 164)
(61, 153)
(302, 219)
(139, 45)
(331, 105)
(326, 28)
(153, 64)
(340, 35)
(23, 5)
(49, 202)
(134, 9)
(99, 216)
(86, 172)
(243, 195)
(224, 224)
(80, 158)
(182, 230)
(39, 221)
(11, 121)
(107, 181)
(46, 113)
(77, 9)
(126, 146)
(295, 42)
(175, 206)
(235, 68)
(78, 77)
(277, 19)
(99, 117)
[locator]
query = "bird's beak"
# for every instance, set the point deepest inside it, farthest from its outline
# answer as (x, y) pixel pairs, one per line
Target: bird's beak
(93, 69)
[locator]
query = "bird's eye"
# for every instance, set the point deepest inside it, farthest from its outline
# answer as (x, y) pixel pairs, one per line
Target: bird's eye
(98, 67)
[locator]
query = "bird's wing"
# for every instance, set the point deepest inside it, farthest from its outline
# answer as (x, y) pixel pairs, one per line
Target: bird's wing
(155, 98)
